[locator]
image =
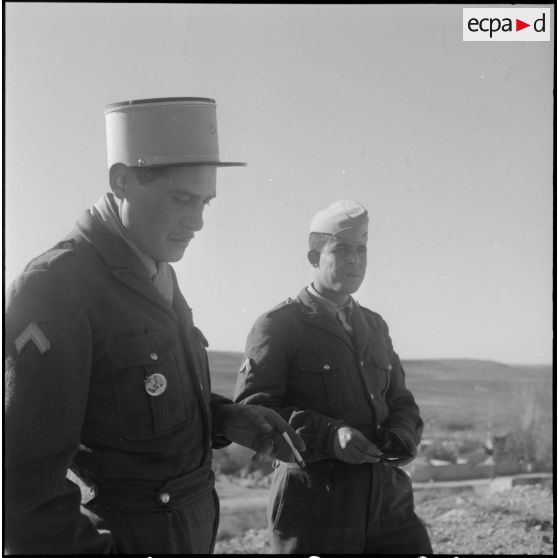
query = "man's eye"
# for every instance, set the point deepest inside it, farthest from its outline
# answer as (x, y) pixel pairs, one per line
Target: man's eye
(181, 200)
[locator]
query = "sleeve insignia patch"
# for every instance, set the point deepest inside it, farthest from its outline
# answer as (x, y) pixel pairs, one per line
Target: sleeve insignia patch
(34, 334)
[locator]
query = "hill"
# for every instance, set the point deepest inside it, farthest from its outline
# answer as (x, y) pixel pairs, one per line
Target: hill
(449, 392)
(224, 367)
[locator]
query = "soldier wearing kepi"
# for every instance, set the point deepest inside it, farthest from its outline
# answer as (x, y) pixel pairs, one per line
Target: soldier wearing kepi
(327, 365)
(108, 395)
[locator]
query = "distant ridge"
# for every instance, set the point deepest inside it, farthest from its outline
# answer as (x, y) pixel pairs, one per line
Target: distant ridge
(455, 361)
(233, 356)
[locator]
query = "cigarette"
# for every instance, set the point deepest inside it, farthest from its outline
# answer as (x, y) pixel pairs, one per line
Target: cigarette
(297, 455)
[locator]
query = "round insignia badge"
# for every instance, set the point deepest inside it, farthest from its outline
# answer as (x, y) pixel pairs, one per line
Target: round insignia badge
(155, 385)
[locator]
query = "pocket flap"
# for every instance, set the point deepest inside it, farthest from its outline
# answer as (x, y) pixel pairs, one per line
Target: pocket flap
(324, 366)
(381, 359)
(140, 350)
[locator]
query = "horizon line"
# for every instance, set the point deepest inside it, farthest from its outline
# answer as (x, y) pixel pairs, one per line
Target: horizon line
(422, 359)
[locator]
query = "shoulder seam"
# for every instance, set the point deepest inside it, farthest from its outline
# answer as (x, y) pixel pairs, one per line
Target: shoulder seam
(363, 308)
(282, 305)
(49, 258)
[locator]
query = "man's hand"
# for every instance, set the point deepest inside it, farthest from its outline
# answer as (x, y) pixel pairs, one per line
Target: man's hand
(351, 446)
(395, 450)
(257, 428)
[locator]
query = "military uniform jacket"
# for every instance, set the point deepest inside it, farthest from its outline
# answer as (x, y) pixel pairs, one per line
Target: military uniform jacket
(300, 362)
(102, 377)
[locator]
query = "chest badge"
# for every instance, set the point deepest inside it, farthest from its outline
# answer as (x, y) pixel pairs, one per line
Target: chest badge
(155, 385)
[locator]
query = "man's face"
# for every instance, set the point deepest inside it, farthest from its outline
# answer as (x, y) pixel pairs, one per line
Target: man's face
(342, 266)
(163, 212)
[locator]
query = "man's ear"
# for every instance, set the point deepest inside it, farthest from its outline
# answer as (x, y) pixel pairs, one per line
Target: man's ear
(117, 177)
(314, 258)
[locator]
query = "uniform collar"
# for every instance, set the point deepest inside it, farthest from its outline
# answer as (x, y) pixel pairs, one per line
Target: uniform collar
(327, 304)
(368, 339)
(107, 211)
(316, 314)
(122, 261)
(114, 250)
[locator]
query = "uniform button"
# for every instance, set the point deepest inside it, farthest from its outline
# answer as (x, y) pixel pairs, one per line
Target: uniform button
(371, 396)
(153, 356)
(164, 497)
(362, 362)
(327, 366)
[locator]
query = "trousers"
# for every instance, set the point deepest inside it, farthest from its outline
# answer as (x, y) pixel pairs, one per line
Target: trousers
(180, 516)
(332, 507)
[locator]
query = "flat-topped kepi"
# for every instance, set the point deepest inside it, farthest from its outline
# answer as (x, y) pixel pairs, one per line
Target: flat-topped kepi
(163, 131)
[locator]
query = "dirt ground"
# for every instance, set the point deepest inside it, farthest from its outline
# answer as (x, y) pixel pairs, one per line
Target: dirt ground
(518, 520)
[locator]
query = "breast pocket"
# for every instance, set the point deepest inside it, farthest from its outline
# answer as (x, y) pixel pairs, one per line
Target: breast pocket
(327, 384)
(147, 386)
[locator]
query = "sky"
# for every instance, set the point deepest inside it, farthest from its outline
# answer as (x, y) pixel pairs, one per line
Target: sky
(448, 144)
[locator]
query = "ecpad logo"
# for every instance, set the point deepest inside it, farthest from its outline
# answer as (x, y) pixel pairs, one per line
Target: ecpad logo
(493, 25)
(506, 24)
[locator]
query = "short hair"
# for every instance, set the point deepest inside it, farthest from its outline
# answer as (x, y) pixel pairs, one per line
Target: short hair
(316, 240)
(145, 175)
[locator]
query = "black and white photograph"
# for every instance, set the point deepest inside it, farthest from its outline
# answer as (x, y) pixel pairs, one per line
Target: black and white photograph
(279, 278)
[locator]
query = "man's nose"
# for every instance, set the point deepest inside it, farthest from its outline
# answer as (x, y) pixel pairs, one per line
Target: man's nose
(193, 216)
(352, 256)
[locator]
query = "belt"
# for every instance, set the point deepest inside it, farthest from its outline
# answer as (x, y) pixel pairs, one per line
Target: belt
(141, 495)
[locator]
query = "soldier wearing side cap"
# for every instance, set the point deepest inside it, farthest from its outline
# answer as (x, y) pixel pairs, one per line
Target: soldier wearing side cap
(327, 365)
(110, 421)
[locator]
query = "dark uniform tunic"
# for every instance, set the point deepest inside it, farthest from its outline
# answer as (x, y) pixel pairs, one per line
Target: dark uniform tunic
(107, 380)
(300, 362)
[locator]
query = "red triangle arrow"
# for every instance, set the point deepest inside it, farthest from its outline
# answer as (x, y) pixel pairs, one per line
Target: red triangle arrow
(519, 25)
